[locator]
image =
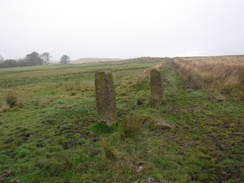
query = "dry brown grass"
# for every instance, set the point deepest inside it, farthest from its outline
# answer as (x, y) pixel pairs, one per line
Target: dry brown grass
(224, 73)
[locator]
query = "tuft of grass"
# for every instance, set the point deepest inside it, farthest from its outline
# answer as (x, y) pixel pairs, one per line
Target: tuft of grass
(5, 107)
(11, 99)
(108, 150)
(72, 86)
(69, 86)
(55, 166)
(131, 125)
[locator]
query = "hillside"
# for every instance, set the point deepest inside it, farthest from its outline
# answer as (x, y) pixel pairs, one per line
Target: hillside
(49, 129)
(88, 60)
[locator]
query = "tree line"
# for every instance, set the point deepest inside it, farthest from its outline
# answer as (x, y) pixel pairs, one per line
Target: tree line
(31, 59)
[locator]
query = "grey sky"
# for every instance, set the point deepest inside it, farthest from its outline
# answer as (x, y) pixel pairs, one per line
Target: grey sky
(121, 28)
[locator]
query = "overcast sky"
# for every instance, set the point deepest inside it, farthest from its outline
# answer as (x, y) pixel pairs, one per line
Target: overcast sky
(121, 28)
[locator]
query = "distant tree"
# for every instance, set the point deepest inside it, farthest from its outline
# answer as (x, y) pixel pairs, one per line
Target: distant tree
(46, 58)
(64, 59)
(1, 59)
(23, 62)
(9, 63)
(33, 59)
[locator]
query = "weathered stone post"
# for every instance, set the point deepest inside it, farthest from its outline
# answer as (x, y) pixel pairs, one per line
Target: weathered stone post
(105, 97)
(157, 90)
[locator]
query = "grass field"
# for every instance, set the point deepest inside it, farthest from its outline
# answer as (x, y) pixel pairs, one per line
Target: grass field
(50, 133)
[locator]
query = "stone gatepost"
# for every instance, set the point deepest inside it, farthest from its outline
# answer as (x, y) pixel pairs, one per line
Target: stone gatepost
(157, 90)
(105, 98)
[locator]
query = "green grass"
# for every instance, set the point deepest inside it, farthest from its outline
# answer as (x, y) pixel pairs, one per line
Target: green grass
(53, 136)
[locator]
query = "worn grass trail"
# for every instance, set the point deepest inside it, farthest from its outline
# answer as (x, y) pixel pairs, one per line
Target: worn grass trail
(215, 127)
(54, 136)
